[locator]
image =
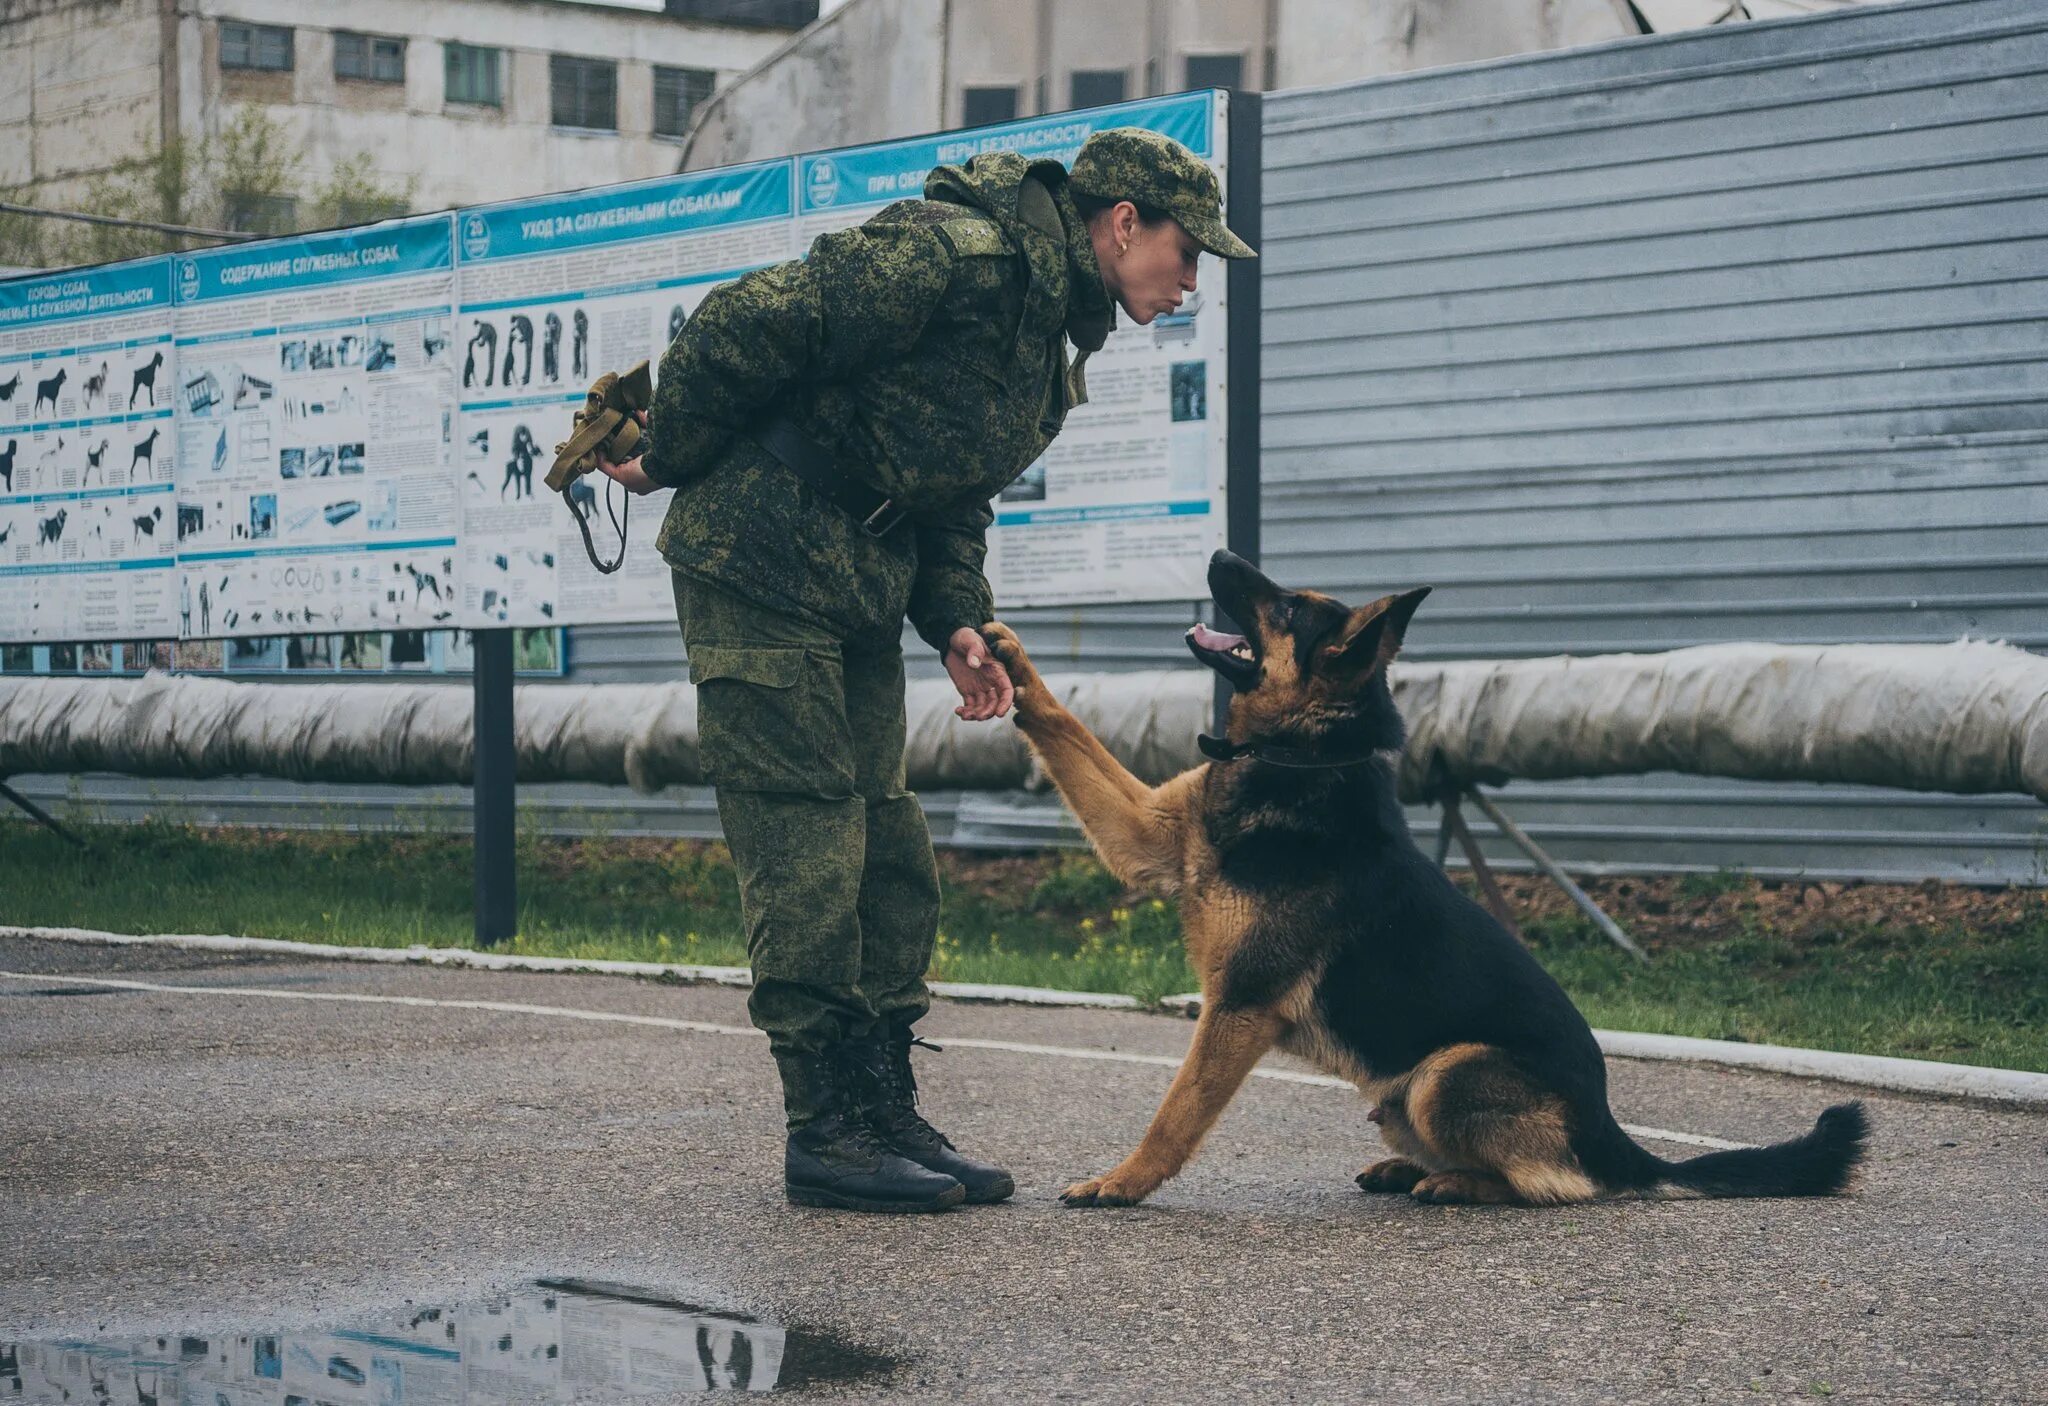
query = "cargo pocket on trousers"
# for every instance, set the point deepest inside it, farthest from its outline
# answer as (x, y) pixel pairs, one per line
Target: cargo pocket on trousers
(770, 719)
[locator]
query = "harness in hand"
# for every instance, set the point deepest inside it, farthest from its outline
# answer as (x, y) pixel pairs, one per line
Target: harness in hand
(605, 427)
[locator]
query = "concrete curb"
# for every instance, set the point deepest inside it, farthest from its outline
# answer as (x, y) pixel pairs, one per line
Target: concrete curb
(503, 962)
(1917, 1076)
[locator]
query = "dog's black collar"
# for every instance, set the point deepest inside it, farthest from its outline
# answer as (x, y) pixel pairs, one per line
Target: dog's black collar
(1274, 754)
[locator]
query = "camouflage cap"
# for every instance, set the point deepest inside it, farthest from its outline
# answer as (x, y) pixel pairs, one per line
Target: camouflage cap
(1145, 168)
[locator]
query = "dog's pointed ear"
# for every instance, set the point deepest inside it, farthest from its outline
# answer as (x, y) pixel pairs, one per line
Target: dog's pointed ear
(1373, 636)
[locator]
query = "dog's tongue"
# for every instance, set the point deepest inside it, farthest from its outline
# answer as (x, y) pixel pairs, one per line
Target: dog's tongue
(1207, 638)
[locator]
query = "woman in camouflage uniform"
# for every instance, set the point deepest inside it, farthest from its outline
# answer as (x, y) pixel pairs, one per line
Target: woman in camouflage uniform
(835, 428)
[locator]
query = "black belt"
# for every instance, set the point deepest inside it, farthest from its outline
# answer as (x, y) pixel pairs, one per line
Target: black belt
(813, 463)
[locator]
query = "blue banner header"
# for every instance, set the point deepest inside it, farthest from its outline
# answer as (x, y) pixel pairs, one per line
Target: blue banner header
(876, 175)
(671, 206)
(93, 292)
(389, 250)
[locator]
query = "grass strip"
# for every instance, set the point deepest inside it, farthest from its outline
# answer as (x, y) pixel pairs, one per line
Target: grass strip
(1924, 971)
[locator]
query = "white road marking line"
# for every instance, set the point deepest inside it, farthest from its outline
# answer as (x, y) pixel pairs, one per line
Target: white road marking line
(1918, 1076)
(703, 1027)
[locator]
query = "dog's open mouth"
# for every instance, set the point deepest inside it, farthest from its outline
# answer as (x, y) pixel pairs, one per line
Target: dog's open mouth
(1229, 655)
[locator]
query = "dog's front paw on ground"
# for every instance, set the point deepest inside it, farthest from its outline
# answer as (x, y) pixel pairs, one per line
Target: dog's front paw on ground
(1395, 1174)
(1115, 1189)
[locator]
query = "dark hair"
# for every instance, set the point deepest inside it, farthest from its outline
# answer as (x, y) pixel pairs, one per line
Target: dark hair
(1092, 205)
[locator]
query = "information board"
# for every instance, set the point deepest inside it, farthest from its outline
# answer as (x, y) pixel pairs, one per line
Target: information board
(1129, 502)
(316, 407)
(87, 454)
(346, 432)
(554, 293)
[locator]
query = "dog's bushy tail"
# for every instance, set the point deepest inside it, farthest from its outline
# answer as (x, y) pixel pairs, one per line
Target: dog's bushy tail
(1822, 1163)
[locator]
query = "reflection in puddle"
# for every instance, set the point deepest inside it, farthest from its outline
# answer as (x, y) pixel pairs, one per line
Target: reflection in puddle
(555, 1340)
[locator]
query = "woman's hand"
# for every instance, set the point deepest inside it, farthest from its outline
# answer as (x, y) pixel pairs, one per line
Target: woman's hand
(629, 475)
(985, 690)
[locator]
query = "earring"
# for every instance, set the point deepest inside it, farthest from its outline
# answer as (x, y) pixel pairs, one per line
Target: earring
(1123, 248)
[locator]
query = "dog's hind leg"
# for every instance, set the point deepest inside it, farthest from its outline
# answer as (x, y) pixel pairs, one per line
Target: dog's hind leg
(1227, 1044)
(1489, 1132)
(1393, 1174)
(1464, 1189)
(1399, 1173)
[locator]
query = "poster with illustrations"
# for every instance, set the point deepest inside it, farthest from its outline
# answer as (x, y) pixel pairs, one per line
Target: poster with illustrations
(1128, 503)
(346, 434)
(315, 427)
(555, 292)
(87, 454)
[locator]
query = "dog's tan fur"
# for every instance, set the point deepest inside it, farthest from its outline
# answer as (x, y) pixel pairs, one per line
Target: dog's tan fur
(1153, 837)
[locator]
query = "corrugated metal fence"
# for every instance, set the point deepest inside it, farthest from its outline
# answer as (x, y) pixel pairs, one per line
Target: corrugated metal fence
(1730, 335)
(1733, 335)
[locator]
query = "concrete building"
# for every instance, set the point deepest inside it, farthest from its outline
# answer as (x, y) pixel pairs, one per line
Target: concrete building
(462, 100)
(870, 70)
(875, 69)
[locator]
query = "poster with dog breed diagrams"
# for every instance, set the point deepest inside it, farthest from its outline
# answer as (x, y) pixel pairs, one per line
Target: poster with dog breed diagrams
(555, 292)
(358, 422)
(87, 455)
(316, 395)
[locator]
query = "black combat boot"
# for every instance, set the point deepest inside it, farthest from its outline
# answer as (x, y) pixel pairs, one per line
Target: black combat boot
(833, 1158)
(887, 1093)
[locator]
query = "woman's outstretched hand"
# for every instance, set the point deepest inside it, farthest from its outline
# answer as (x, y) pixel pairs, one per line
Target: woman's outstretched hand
(985, 690)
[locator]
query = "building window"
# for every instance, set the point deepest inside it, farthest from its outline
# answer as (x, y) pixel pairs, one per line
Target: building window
(1215, 70)
(256, 46)
(1099, 87)
(260, 214)
(373, 58)
(677, 91)
(981, 106)
(585, 92)
(472, 75)
(355, 210)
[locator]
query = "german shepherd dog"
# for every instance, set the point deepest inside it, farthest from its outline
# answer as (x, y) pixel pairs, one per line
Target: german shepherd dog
(1317, 926)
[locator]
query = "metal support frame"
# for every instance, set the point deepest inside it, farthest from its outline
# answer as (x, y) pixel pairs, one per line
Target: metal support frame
(39, 815)
(1454, 827)
(497, 881)
(1447, 792)
(1241, 372)
(1549, 866)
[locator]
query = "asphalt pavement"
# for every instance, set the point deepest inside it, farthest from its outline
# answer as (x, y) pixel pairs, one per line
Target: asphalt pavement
(269, 1156)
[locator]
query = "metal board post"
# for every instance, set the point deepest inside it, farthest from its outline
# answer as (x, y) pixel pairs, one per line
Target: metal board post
(497, 891)
(1241, 363)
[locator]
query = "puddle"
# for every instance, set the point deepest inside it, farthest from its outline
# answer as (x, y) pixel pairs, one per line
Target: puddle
(553, 1340)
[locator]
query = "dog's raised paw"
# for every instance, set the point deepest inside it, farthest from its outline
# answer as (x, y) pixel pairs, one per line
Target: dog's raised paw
(1004, 644)
(1031, 699)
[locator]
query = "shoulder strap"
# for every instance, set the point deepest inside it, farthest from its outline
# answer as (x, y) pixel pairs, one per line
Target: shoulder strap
(972, 236)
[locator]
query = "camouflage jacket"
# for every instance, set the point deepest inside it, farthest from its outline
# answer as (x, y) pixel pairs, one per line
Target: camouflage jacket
(927, 350)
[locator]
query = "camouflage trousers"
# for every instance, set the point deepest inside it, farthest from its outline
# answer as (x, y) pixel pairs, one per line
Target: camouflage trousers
(801, 732)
